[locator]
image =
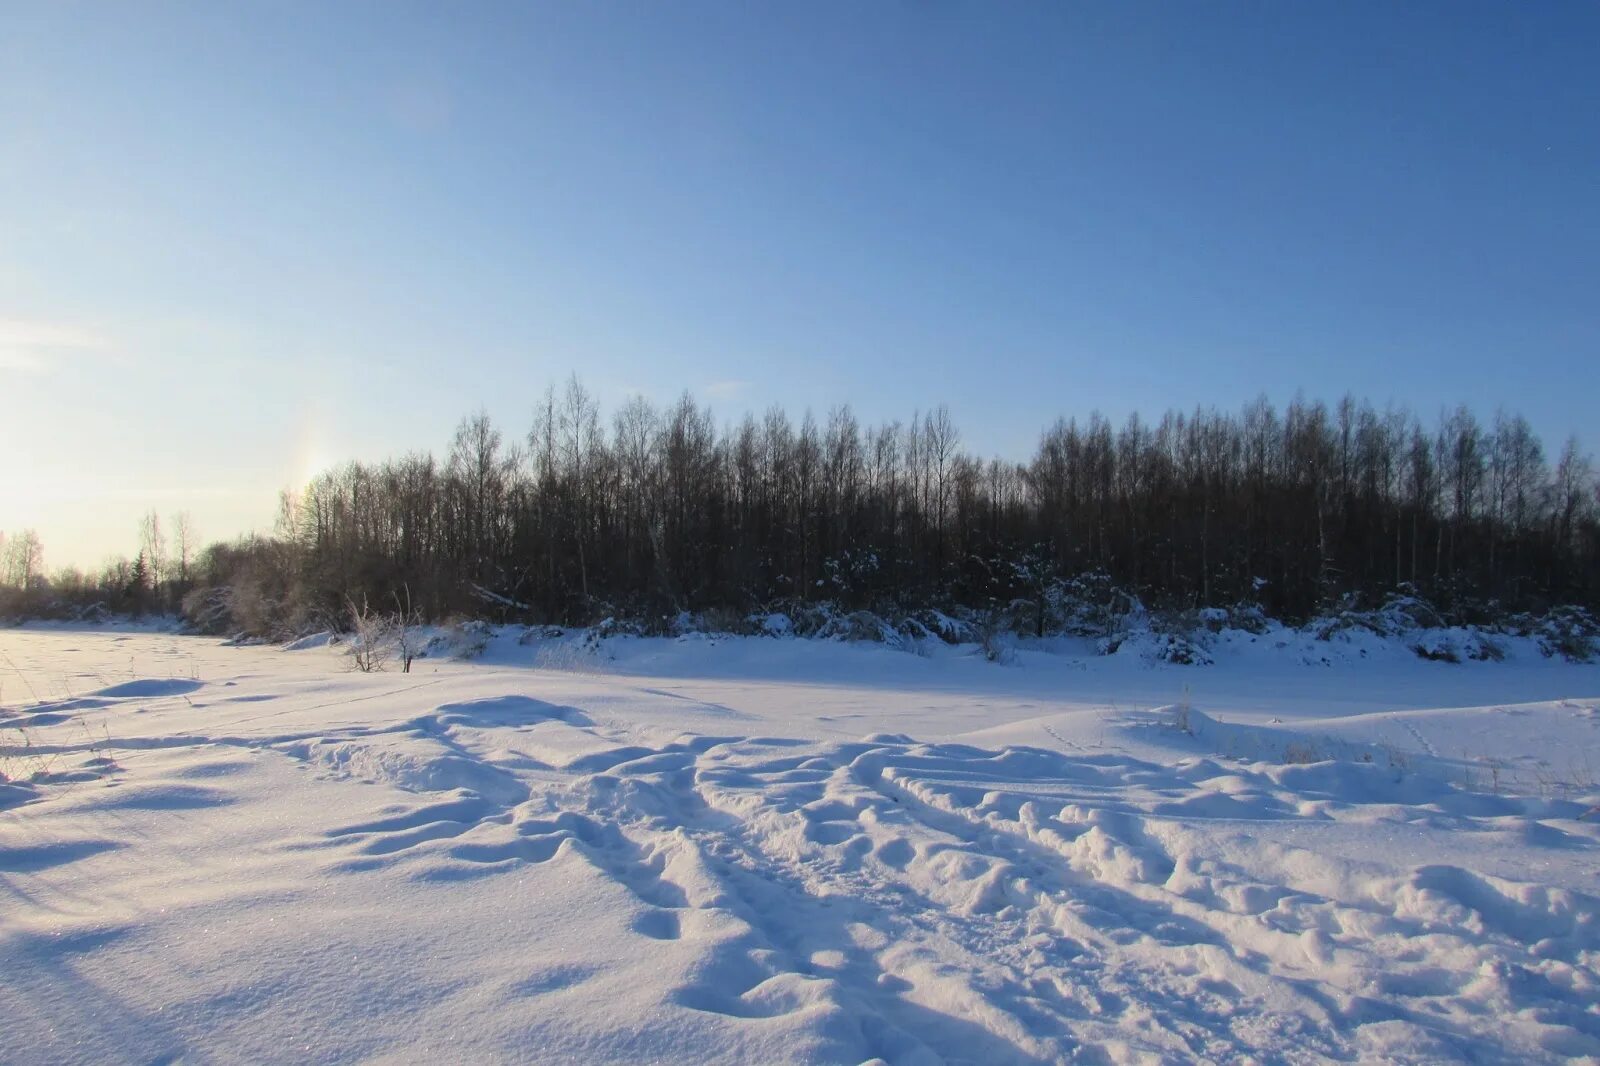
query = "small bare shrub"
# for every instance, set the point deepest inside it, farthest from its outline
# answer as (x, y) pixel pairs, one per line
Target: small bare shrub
(1298, 754)
(372, 638)
(992, 641)
(1182, 721)
(1494, 767)
(405, 626)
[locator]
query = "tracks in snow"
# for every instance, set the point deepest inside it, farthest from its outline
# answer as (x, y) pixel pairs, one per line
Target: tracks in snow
(945, 902)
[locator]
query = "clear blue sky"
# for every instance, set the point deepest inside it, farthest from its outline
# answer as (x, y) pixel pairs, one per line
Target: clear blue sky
(240, 240)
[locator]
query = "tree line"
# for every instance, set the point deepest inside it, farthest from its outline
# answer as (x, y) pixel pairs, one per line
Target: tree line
(658, 510)
(154, 580)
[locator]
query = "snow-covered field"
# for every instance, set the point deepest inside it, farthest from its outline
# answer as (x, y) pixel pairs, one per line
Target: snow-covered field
(765, 851)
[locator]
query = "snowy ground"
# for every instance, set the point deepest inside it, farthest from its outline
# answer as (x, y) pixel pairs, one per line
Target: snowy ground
(787, 851)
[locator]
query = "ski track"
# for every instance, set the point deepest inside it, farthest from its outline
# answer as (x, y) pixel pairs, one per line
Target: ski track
(918, 902)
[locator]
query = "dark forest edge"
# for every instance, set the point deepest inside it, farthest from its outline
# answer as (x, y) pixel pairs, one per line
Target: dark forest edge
(1309, 513)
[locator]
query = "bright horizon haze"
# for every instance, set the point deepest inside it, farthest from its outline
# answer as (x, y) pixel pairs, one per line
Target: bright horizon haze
(242, 243)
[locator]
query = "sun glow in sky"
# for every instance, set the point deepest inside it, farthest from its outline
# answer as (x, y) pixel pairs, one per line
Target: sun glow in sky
(242, 242)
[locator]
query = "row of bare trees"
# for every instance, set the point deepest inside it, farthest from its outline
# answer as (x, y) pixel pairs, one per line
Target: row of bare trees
(660, 509)
(657, 510)
(155, 579)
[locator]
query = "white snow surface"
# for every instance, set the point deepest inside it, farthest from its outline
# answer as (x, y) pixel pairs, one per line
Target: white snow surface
(770, 850)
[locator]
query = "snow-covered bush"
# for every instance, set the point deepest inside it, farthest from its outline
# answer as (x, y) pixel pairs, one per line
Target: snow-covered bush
(1570, 632)
(947, 627)
(1329, 626)
(1249, 617)
(861, 625)
(1399, 615)
(534, 633)
(612, 626)
(807, 619)
(775, 624)
(727, 620)
(1179, 649)
(1092, 605)
(1407, 611)
(95, 614)
(1021, 615)
(463, 638)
